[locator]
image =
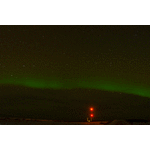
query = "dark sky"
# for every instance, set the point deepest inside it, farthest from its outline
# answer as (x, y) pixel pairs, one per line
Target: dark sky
(58, 72)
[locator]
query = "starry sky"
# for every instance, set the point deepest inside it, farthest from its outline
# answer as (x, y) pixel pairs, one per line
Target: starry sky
(52, 70)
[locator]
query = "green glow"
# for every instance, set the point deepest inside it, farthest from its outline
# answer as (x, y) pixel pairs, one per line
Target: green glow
(42, 84)
(103, 84)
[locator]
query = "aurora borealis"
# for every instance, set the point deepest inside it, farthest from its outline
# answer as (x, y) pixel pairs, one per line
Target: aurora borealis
(104, 58)
(85, 84)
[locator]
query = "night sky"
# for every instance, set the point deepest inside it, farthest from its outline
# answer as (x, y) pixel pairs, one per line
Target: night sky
(58, 72)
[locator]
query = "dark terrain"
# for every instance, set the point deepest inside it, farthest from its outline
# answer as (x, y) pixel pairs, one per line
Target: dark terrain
(66, 105)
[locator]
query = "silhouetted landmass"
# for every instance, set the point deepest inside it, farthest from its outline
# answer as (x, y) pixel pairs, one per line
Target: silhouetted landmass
(67, 105)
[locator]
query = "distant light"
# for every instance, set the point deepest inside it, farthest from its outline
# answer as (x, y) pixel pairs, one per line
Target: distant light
(91, 115)
(91, 109)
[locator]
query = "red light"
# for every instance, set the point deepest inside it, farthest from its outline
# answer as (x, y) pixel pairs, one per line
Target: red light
(91, 109)
(91, 115)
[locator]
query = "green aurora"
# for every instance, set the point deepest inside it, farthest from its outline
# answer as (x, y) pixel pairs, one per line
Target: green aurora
(103, 84)
(56, 72)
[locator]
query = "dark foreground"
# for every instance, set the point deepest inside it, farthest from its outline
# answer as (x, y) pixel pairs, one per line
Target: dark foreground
(67, 105)
(28, 121)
